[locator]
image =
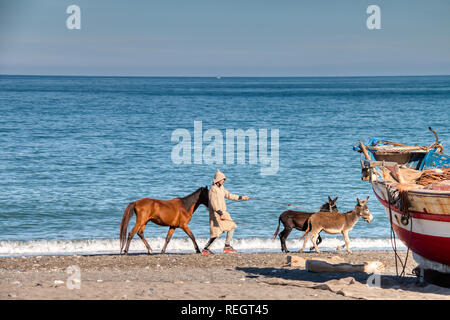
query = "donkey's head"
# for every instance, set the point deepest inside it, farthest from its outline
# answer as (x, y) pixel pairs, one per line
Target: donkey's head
(330, 206)
(363, 211)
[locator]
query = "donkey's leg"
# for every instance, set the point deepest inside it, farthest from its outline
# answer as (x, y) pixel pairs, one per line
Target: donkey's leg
(345, 244)
(319, 240)
(308, 235)
(283, 236)
(347, 241)
(191, 235)
(168, 237)
(314, 241)
(141, 235)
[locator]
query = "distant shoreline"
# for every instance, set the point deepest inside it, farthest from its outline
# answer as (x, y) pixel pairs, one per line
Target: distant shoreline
(222, 76)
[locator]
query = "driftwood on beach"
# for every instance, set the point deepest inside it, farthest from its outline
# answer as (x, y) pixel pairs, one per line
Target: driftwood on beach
(323, 266)
(334, 264)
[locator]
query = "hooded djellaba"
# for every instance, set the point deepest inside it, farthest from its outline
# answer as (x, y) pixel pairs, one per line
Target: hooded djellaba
(218, 207)
(219, 219)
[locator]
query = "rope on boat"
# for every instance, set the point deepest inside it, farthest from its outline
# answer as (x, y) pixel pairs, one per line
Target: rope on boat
(432, 176)
(393, 238)
(409, 242)
(392, 234)
(436, 145)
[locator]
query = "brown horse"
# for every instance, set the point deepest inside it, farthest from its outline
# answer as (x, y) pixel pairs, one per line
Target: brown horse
(297, 219)
(175, 213)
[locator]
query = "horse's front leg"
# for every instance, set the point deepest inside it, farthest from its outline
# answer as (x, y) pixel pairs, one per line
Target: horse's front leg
(191, 235)
(168, 237)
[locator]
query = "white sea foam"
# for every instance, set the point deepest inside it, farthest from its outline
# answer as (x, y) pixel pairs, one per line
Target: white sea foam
(176, 245)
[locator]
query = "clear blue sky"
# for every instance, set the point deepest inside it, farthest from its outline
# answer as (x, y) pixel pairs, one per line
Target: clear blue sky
(227, 38)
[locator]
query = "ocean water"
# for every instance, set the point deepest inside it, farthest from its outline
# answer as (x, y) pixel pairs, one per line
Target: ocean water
(74, 151)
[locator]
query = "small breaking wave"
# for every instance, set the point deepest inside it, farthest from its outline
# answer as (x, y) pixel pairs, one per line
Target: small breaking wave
(176, 245)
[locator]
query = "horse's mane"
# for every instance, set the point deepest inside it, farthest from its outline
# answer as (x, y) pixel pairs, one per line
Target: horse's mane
(190, 199)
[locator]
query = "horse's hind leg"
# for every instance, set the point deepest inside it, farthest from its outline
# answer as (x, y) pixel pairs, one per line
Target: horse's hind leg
(283, 236)
(168, 237)
(141, 235)
(130, 236)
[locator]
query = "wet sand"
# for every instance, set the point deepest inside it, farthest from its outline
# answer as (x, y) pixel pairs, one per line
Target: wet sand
(249, 276)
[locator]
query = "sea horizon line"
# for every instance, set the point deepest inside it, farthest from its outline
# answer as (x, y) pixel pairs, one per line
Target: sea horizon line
(221, 77)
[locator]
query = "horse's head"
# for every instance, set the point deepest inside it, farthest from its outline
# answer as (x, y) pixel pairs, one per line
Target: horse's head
(204, 196)
(330, 205)
(363, 211)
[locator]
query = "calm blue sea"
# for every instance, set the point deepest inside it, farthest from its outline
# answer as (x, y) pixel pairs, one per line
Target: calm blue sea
(74, 151)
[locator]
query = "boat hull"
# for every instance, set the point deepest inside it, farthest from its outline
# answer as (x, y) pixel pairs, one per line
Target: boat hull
(433, 201)
(426, 234)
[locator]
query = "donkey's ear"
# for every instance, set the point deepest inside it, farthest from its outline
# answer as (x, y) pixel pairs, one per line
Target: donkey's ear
(366, 199)
(359, 201)
(335, 199)
(329, 199)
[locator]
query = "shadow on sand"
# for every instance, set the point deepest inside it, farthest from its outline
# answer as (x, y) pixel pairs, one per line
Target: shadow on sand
(287, 276)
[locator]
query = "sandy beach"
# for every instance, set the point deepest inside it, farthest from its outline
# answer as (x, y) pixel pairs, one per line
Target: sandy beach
(241, 276)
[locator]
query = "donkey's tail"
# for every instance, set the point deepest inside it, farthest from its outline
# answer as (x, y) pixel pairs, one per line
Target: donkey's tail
(128, 213)
(278, 229)
(307, 229)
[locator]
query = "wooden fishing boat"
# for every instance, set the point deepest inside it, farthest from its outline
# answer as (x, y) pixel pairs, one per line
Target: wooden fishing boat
(413, 185)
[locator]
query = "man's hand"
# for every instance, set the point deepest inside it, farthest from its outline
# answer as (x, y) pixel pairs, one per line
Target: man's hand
(222, 217)
(245, 198)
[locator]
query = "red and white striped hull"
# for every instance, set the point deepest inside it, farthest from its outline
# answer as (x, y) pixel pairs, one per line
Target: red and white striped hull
(428, 232)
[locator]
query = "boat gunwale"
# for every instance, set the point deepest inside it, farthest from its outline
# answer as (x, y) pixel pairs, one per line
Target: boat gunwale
(422, 192)
(415, 214)
(431, 193)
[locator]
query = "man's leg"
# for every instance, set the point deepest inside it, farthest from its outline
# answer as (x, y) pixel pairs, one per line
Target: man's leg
(210, 242)
(229, 237)
(228, 248)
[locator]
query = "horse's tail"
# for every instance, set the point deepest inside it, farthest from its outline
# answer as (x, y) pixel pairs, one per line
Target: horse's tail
(128, 213)
(278, 229)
